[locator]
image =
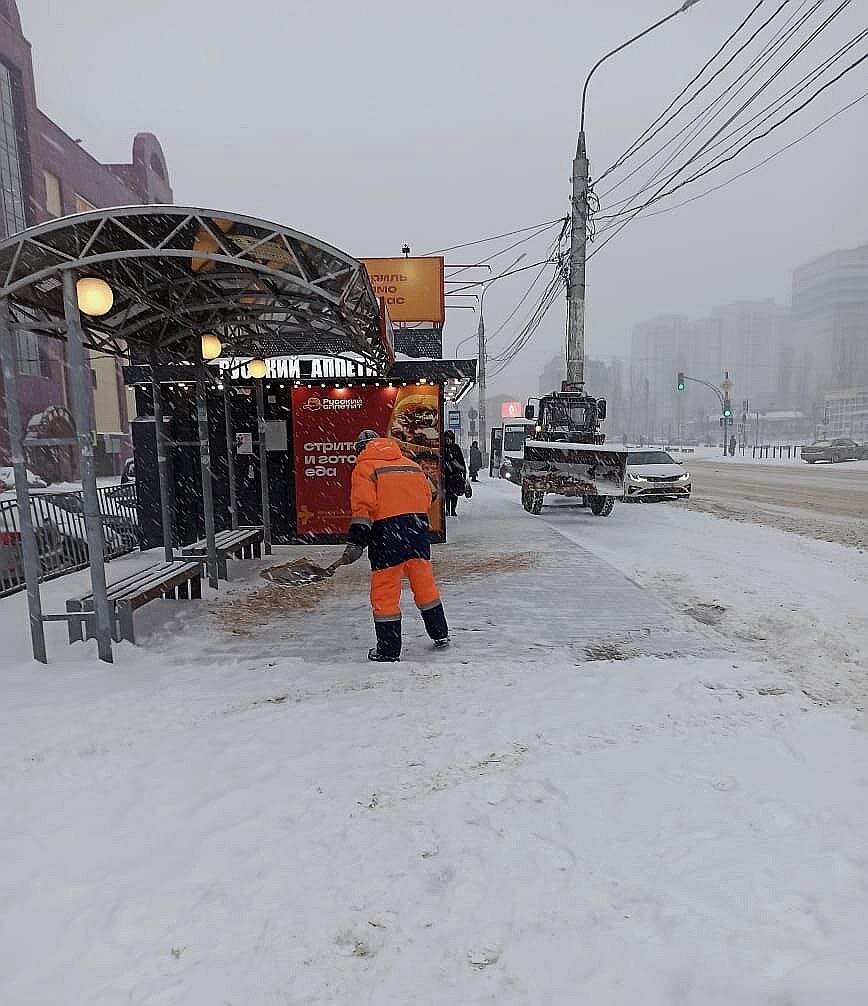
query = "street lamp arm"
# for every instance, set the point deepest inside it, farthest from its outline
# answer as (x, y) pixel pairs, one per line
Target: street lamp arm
(696, 380)
(681, 10)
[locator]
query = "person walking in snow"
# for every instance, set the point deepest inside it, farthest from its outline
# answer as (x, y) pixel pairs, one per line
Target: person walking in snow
(389, 499)
(475, 461)
(455, 473)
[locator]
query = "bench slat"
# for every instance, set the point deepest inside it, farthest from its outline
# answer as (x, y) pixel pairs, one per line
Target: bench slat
(147, 577)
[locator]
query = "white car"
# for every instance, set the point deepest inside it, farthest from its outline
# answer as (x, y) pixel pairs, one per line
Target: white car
(655, 475)
(7, 480)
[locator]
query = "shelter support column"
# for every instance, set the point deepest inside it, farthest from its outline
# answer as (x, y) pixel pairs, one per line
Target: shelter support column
(81, 390)
(263, 466)
(230, 457)
(162, 467)
(29, 547)
(205, 465)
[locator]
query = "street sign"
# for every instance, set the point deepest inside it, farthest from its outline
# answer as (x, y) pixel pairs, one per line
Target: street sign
(726, 385)
(453, 420)
(473, 415)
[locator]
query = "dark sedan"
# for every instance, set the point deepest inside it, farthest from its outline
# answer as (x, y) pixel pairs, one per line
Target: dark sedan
(841, 449)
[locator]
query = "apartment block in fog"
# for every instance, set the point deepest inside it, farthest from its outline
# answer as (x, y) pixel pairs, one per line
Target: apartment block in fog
(830, 314)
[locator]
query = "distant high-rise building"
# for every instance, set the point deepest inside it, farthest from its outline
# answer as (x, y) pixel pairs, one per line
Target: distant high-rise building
(659, 350)
(830, 321)
(552, 374)
(747, 339)
(45, 173)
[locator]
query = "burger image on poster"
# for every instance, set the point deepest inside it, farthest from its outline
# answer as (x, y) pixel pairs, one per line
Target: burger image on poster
(415, 418)
(415, 424)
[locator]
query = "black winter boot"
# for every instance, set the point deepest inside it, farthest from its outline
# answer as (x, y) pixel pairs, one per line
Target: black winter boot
(388, 647)
(435, 623)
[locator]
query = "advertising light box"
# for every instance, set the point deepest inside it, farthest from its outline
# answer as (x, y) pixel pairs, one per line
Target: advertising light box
(326, 422)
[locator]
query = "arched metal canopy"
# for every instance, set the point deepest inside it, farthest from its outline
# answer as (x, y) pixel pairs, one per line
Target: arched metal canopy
(177, 272)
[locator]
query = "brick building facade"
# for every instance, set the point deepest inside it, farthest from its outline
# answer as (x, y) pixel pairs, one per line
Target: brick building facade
(45, 173)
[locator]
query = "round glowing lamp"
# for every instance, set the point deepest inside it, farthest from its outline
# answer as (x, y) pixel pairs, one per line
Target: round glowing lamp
(212, 347)
(257, 368)
(95, 297)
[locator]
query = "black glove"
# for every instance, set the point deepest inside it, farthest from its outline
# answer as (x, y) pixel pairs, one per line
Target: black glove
(352, 553)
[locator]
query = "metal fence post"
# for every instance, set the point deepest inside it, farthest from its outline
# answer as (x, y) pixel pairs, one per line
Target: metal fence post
(263, 466)
(81, 390)
(205, 466)
(29, 546)
(230, 456)
(162, 466)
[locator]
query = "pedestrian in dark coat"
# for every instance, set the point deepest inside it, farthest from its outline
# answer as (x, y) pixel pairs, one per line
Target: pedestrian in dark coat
(454, 471)
(475, 461)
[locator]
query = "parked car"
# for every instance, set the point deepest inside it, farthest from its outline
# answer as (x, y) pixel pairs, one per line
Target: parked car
(841, 449)
(655, 475)
(129, 472)
(7, 480)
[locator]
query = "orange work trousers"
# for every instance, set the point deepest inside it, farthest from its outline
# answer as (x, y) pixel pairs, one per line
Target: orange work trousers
(386, 588)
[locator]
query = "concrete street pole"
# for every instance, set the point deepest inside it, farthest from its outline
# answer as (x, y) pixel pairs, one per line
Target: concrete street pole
(578, 255)
(579, 218)
(481, 357)
(480, 377)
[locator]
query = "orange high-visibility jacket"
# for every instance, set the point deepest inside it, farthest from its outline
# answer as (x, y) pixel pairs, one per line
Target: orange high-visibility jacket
(389, 500)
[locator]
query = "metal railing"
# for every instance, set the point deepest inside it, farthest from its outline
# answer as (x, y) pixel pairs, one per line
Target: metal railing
(58, 518)
(772, 450)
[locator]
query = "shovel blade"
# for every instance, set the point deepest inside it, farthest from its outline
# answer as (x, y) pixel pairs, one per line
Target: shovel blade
(298, 573)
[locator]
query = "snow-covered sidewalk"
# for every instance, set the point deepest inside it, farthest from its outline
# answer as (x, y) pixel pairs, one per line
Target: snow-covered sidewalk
(244, 811)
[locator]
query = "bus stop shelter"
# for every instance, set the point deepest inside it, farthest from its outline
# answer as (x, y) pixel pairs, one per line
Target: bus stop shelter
(168, 286)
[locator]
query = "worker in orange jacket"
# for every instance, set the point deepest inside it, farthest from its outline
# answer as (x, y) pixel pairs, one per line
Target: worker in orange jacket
(390, 498)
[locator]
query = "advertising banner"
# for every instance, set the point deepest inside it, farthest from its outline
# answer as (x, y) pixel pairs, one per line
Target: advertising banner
(413, 288)
(326, 422)
(511, 410)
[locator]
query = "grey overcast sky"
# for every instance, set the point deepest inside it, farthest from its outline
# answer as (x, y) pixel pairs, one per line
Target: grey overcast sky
(440, 122)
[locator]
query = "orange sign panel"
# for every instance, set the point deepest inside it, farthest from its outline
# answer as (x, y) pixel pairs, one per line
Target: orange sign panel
(411, 287)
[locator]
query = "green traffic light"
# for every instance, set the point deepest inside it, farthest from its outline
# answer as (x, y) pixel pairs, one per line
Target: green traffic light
(680, 381)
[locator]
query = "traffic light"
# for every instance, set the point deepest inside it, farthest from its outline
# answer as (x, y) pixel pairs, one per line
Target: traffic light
(727, 410)
(680, 380)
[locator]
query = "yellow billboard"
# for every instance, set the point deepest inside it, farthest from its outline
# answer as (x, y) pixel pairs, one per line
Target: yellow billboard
(412, 288)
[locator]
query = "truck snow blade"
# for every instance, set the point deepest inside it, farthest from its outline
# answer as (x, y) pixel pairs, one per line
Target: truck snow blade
(573, 469)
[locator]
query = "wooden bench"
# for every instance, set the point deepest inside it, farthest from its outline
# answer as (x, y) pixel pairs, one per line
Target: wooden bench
(168, 580)
(243, 542)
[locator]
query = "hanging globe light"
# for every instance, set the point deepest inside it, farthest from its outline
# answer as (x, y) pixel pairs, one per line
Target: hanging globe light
(257, 368)
(212, 347)
(95, 297)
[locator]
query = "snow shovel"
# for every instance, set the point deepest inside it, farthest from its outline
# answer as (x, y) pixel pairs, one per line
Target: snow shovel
(301, 572)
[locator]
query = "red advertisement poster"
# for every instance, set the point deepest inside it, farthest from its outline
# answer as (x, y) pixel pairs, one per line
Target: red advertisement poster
(326, 422)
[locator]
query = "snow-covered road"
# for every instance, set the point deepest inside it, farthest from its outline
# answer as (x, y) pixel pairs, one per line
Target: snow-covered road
(823, 501)
(243, 811)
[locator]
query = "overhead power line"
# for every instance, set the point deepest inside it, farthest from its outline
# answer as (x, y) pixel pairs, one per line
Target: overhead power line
(503, 251)
(762, 163)
(647, 135)
(496, 237)
(667, 187)
(657, 197)
(711, 111)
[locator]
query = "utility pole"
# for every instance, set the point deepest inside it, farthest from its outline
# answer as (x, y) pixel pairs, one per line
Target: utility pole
(579, 220)
(578, 256)
(481, 351)
(480, 377)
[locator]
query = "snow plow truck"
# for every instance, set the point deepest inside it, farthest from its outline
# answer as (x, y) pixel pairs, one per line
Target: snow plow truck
(566, 453)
